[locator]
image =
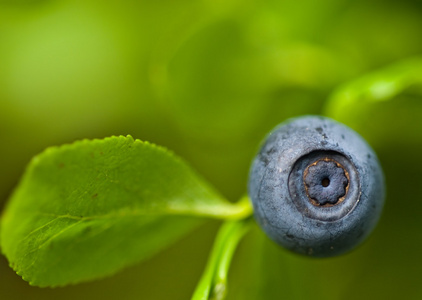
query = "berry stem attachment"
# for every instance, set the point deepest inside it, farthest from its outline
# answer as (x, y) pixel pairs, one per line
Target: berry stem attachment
(213, 283)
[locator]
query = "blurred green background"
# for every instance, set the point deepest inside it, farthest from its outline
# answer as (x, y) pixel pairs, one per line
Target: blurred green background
(208, 79)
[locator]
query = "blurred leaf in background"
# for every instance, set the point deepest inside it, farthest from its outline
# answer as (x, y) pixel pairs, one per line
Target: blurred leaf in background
(208, 80)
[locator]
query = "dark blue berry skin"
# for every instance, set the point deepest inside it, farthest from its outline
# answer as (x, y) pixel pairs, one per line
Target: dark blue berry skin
(316, 186)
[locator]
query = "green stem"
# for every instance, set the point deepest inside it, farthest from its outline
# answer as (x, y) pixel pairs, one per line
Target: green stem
(213, 283)
(229, 211)
(244, 209)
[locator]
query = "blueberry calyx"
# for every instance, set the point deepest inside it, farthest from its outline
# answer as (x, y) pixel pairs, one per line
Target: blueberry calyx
(306, 185)
(326, 182)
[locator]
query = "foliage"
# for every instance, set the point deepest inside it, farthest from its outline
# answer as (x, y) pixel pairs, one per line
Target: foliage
(207, 80)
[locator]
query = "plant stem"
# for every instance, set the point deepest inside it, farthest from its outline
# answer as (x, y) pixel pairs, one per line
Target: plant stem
(213, 283)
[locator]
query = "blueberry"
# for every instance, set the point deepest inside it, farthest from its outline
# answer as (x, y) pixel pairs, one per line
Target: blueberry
(316, 186)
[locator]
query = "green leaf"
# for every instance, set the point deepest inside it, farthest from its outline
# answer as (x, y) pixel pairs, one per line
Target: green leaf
(86, 210)
(378, 86)
(384, 106)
